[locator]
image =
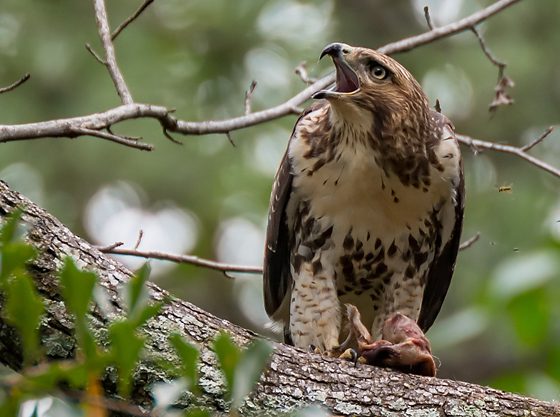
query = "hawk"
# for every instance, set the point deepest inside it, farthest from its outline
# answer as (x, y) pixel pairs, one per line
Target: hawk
(366, 207)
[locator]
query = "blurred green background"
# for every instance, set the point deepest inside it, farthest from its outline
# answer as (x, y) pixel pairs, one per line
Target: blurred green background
(500, 322)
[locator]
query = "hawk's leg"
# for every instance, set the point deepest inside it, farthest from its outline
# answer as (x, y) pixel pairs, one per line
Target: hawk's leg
(404, 346)
(315, 317)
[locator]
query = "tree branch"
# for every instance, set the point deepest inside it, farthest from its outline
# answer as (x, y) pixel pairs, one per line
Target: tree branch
(182, 259)
(59, 128)
(15, 84)
(295, 378)
(477, 145)
(110, 57)
(131, 19)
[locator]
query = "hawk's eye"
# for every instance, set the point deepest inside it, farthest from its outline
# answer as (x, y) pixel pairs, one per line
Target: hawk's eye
(379, 72)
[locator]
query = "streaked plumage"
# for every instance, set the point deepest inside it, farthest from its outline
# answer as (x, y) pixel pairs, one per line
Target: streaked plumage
(366, 206)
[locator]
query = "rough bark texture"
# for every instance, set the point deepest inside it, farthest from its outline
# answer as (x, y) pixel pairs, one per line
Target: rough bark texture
(294, 378)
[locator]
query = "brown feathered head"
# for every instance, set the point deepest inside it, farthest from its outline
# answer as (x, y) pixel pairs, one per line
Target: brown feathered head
(369, 81)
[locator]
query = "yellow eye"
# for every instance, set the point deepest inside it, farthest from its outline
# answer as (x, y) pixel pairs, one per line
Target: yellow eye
(379, 72)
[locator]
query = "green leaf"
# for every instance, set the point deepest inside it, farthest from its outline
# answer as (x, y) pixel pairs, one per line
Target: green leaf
(228, 355)
(23, 310)
(9, 228)
(126, 346)
(251, 365)
(15, 256)
(136, 293)
(77, 288)
(188, 354)
(197, 412)
(146, 313)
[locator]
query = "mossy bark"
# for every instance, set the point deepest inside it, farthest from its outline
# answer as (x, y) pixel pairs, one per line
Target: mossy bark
(294, 378)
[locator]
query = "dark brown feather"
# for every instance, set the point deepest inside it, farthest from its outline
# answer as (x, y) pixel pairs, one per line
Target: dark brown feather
(276, 275)
(443, 265)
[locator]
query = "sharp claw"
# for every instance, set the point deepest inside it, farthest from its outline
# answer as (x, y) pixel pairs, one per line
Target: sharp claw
(350, 355)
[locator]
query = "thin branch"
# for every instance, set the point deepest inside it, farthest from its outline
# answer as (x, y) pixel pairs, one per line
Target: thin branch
(139, 240)
(131, 18)
(538, 140)
(501, 94)
(230, 139)
(15, 84)
(469, 242)
(81, 131)
(109, 248)
(301, 72)
(110, 57)
(428, 18)
(62, 127)
(184, 259)
(478, 145)
(249, 96)
(444, 31)
(95, 55)
(491, 57)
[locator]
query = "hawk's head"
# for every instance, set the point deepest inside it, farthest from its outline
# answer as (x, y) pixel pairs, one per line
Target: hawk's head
(369, 82)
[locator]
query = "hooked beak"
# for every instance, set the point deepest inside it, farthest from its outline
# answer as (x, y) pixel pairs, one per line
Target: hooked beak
(346, 79)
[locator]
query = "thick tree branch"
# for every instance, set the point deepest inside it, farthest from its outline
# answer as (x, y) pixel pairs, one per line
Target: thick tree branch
(294, 378)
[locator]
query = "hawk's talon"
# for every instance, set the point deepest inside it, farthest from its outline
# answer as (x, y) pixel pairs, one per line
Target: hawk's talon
(350, 355)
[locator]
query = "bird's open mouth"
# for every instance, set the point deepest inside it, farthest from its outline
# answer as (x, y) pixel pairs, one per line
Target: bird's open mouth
(346, 79)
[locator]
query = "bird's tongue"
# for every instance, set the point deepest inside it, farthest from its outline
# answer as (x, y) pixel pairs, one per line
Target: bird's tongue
(346, 79)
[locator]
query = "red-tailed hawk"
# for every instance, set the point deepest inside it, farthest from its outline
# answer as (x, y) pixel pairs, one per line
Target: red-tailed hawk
(366, 207)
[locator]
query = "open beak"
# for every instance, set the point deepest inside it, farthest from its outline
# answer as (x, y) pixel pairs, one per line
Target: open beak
(346, 79)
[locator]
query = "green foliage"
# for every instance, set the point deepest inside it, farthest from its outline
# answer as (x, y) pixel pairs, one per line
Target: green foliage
(77, 291)
(241, 368)
(18, 287)
(23, 310)
(188, 355)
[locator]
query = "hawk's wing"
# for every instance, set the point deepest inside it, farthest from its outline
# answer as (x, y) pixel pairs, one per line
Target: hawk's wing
(277, 279)
(441, 269)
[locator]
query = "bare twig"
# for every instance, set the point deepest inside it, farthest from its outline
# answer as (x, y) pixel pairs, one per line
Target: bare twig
(61, 127)
(130, 19)
(206, 263)
(110, 57)
(301, 72)
(15, 84)
(82, 131)
(95, 55)
(469, 242)
(501, 95)
(249, 96)
(538, 140)
(110, 247)
(491, 57)
(478, 145)
(230, 139)
(428, 18)
(139, 240)
(444, 31)
(184, 259)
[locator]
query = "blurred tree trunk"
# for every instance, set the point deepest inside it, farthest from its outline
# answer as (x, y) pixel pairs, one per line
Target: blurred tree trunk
(293, 379)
